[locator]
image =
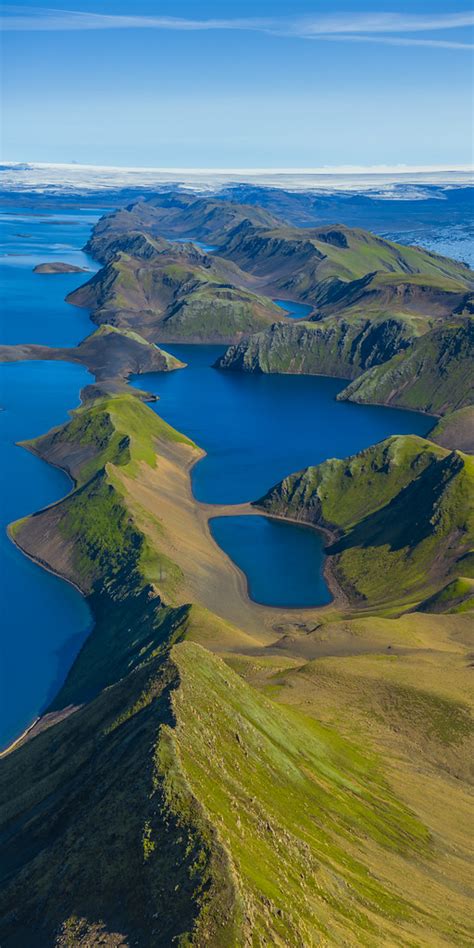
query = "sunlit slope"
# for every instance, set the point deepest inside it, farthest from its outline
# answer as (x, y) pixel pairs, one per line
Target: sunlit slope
(337, 266)
(401, 512)
(174, 300)
(249, 823)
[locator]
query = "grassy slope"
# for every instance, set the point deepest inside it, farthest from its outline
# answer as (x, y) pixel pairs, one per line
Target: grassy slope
(403, 512)
(179, 292)
(389, 362)
(342, 252)
(456, 430)
(249, 820)
(100, 544)
(173, 300)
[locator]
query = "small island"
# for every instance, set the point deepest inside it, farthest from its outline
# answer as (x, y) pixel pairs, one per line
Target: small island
(58, 267)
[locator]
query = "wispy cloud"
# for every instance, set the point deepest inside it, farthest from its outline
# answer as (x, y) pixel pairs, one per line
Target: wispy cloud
(386, 28)
(395, 41)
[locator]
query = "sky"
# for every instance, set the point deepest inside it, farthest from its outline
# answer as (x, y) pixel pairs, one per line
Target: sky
(238, 84)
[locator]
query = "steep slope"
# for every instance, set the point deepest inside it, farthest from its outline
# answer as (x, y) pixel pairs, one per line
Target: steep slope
(169, 301)
(436, 374)
(105, 842)
(176, 215)
(401, 514)
(171, 291)
(389, 363)
(338, 266)
(249, 821)
(342, 347)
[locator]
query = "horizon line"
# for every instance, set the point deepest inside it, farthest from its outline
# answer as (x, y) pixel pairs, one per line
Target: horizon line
(401, 168)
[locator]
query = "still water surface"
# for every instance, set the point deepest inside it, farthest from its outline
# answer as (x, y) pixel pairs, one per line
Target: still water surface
(44, 620)
(283, 562)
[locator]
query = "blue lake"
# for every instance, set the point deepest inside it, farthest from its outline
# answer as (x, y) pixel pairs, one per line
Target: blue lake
(207, 248)
(44, 620)
(33, 307)
(293, 309)
(283, 562)
(256, 429)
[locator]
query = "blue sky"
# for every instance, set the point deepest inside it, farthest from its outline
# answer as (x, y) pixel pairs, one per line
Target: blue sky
(238, 84)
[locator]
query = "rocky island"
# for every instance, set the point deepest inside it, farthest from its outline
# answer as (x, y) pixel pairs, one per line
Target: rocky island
(58, 267)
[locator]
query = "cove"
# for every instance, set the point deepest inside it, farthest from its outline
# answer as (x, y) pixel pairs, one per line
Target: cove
(293, 309)
(283, 562)
(256, 429)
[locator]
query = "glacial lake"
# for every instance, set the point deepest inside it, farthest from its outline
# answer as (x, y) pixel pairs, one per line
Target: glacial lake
(255, 430)
(283, 562)
(44, 619)
(293, 309)
(33, 306)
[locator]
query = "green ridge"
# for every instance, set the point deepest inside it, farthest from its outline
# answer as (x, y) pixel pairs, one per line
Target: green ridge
(402, 513)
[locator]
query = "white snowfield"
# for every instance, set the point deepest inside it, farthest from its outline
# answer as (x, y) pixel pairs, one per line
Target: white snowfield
(387, 182)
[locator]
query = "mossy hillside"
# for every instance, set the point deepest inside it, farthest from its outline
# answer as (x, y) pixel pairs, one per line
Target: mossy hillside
(456, 597)
(338, 270)
(307, 260)
(250, 821)
(434, 375)
(405, 512)
(335, 346)
(103, 547)
(129, 285)
(426, 295)
(203, 218)
(120, 430)
(338, 494)
(106, 841)
(308, 819)
(168, 300)
(421, 539)
(218, 312)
